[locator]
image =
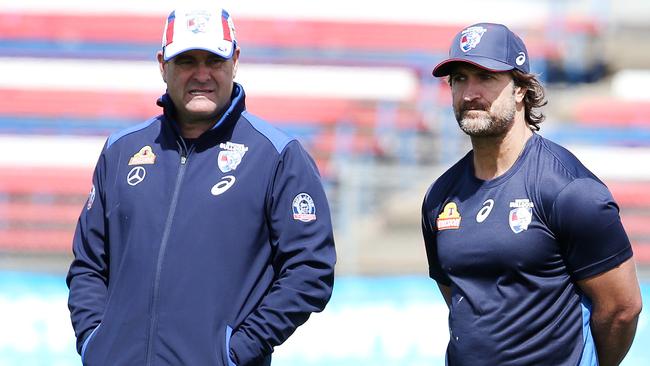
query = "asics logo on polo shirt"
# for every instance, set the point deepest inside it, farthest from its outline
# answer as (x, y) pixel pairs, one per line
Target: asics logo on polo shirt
(485, 211)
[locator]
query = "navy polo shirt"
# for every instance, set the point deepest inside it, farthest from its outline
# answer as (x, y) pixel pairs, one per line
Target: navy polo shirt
(511, 250)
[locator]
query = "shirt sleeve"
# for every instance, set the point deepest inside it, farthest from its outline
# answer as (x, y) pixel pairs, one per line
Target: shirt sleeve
(587, 223)
(430, 243)
(301, 232)
(87, 277)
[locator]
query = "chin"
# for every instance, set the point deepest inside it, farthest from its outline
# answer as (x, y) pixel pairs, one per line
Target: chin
(475, 124)
(201, 107)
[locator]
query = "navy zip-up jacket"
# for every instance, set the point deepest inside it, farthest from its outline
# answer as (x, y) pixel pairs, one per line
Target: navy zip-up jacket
(207, 254)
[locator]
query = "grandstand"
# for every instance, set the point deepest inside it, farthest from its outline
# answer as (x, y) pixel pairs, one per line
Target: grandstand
(357, 93)
(354, 85)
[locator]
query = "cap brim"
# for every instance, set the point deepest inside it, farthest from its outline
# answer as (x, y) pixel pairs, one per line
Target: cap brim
(444, 68)
(225, 50)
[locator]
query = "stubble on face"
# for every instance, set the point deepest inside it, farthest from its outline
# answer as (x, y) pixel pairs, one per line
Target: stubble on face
(479, 119)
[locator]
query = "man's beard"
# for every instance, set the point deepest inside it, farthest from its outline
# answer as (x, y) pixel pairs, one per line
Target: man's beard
(479, 120)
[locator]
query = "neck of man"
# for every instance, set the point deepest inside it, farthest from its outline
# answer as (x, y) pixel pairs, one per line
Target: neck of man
(194, 129)
(495, 155)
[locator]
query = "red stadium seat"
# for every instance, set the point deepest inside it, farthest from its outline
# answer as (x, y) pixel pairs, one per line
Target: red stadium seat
(612, 112)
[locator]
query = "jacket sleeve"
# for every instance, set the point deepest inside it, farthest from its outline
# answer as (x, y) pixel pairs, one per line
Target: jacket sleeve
(301, 232)
(87, 277)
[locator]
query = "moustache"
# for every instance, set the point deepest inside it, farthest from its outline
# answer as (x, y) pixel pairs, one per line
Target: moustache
(474, 106)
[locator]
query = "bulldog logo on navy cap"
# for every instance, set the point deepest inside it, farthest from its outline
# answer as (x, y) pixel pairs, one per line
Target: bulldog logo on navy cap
(471, 37)
(490, 46)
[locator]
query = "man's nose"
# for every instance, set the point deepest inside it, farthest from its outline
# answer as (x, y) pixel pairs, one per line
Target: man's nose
(202, 72)
(472, 90)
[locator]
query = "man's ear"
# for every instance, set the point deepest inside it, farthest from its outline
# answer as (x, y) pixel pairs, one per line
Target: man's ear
(235, 61)
(161, 64)
(520, 93)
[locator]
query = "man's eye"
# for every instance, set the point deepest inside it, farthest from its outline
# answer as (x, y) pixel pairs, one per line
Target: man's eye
(215, 62)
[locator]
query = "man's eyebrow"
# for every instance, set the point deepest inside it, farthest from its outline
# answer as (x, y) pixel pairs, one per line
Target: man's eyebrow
(184, 57)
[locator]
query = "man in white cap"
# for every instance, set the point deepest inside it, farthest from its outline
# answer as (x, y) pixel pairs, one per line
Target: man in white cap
(525, 244)
(189, 250)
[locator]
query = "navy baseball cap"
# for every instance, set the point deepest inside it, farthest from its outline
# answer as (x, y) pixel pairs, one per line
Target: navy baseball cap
(489, 46)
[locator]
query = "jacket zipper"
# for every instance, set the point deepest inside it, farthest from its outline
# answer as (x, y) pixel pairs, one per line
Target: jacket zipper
(161, 254)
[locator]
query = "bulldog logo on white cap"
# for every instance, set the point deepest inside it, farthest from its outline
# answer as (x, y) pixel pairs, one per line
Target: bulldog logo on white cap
(198, 23)
(199, 29)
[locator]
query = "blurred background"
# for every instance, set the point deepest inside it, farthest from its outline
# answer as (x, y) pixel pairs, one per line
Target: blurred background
(352, 80)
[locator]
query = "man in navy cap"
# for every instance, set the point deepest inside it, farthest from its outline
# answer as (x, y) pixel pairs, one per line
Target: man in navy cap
(525, 244)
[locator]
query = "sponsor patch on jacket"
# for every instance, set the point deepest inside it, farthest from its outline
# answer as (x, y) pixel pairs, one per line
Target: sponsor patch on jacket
(231, 155)
(144, 156)
(136, 176)
(223, 185)
(521, 215)
(91, 198)
(303, 208)
(449, 218)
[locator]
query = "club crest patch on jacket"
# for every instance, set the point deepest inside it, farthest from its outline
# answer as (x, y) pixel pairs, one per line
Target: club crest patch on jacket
(231, 156)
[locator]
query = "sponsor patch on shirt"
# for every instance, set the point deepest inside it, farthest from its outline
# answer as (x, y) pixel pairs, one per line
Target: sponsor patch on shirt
(521, 215)
(484, 212)
(449, 218)
(231, 155)
(144, 156)
(303, 208)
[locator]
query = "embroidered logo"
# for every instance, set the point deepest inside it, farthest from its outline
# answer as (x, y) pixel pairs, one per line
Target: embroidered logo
(91, 198)
(521, 58)
(144, 156)
(521, 215)
(231, 156)
(471, 37)
(136, 176)
(303, 208)
(449, 218)
(197, 22)
(484, 212)
(223, 185)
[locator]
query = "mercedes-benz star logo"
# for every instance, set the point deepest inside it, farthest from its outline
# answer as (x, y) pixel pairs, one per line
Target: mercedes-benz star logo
(136, 175)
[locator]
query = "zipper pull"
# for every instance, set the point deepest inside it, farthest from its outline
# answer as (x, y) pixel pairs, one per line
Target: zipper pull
(183, 159)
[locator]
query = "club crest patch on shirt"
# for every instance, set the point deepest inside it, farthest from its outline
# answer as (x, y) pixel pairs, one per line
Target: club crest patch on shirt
(231, 155)
(144, 156)
(449, 218)
(521, 215)
(303, 208)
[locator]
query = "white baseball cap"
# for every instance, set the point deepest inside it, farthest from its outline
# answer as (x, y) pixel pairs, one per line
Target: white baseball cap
(199, 28)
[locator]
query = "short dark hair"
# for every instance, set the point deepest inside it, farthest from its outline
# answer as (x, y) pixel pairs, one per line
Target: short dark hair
(533, 99)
